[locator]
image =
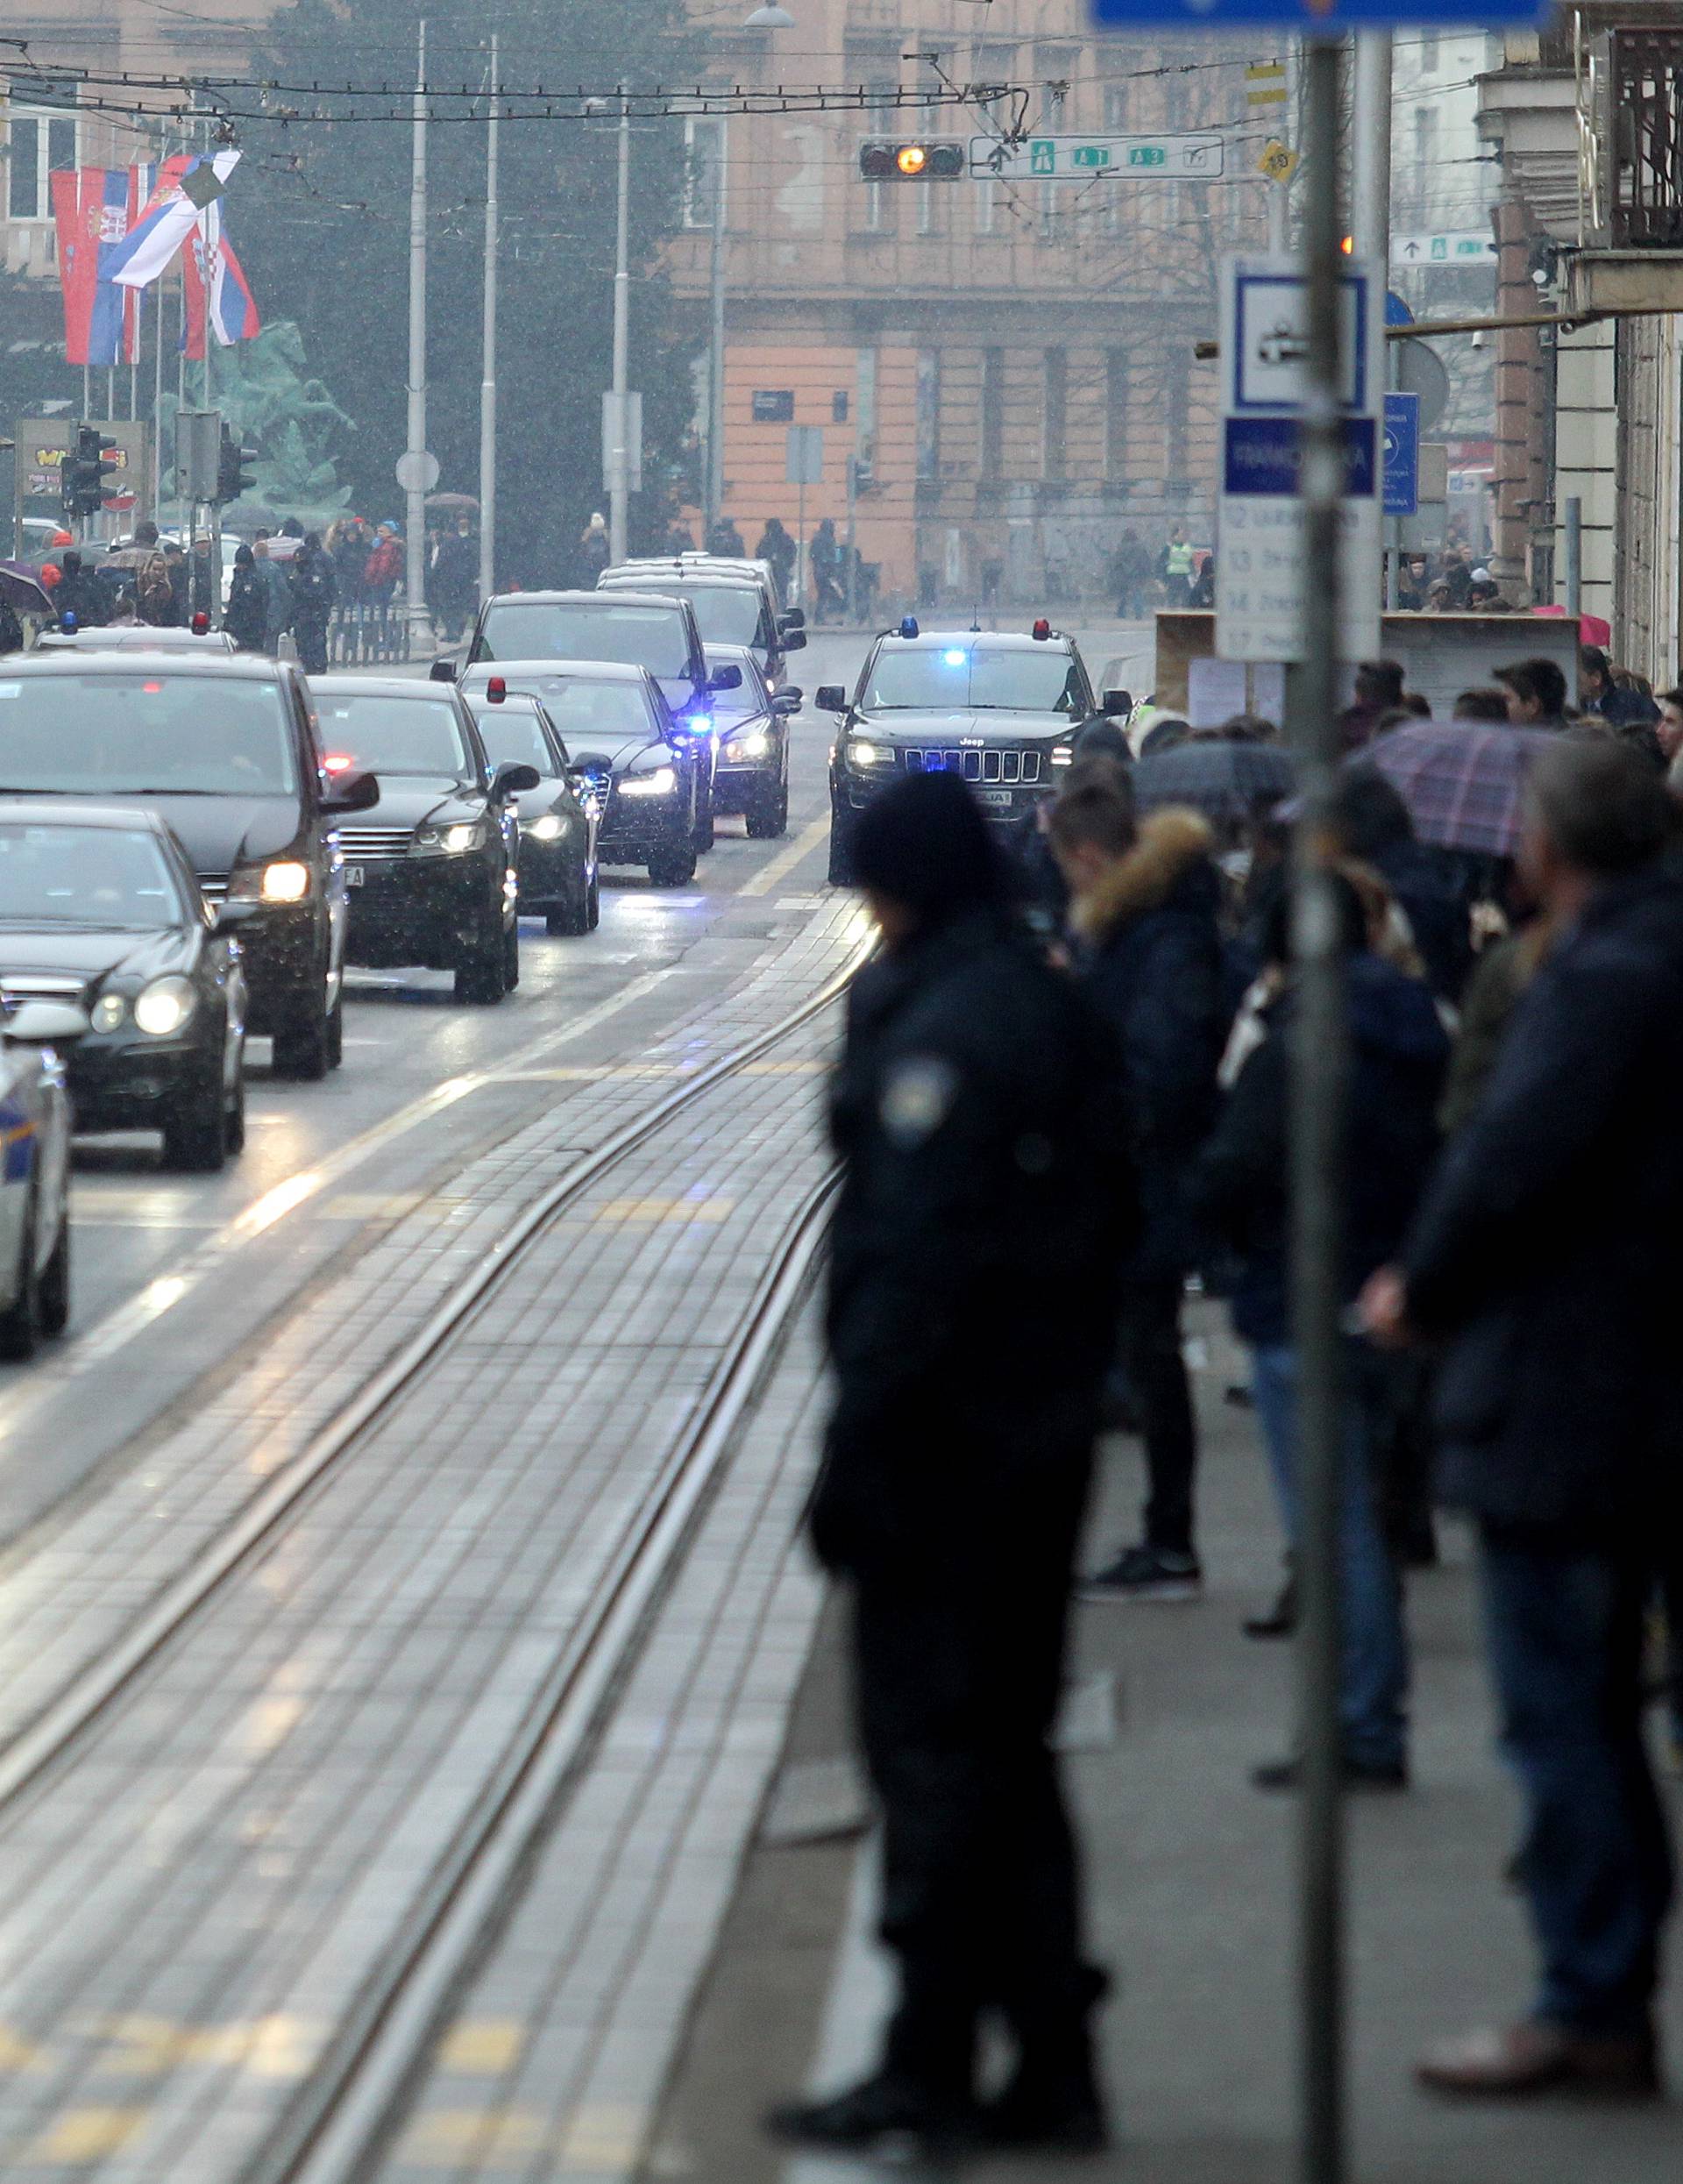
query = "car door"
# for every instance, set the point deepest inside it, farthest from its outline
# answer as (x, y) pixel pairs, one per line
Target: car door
(320, 833)
(23, 1112)
(689, 752)
(506, 814)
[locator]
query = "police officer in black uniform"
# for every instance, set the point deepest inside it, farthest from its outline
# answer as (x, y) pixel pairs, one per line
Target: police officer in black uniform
(981, 1222)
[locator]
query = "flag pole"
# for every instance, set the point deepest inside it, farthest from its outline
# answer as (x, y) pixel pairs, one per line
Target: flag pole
(415, 487)
(488, 383)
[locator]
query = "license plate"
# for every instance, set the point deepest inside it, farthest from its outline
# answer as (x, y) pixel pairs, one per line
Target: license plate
(353, 875)
(996, 799)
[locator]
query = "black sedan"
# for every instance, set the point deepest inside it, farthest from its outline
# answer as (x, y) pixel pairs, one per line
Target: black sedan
(559, 879)
(753, 728)
(99, 908)
(617, 727)
(435, 882)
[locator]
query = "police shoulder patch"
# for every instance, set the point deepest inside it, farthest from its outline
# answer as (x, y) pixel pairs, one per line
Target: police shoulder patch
(917, 1098)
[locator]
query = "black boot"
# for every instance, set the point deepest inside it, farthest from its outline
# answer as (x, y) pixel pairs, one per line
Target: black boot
(893, 2118)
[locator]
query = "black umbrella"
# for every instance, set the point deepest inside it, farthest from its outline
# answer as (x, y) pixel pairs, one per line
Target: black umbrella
(22, 589)
(1226, 781)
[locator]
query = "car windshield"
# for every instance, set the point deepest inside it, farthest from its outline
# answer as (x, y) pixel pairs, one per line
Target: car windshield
(962, 677)
(513, 735)
(742, 704)
(105, 876)
(725, 614)
(637, 636)
(384, 734)
(134, 733)
(586, 712)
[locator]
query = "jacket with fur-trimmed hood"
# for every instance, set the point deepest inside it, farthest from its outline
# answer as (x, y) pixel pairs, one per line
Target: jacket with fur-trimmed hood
(1150, 954)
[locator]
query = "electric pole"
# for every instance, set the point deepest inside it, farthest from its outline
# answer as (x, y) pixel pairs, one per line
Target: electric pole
(414, 485)
(619, 437)
(488, 383)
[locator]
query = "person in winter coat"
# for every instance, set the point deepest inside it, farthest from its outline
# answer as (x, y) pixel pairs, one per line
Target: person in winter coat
(246, 618)
(778, 548)
(1543, 1263)
(277, 593)
(383, 571)
(453, 578)
(595, 551)
(348, 545)
(1146, 898)
(1398, 1052)
(310, 575)
(725, 539)
(79, 593)
(984, 1187)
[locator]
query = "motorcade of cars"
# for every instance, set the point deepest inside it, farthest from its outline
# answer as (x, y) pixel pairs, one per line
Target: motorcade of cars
(560, 880)
(636, 629)
(224, 748)
(734, 601)
(35, 1037)
(101, 910)
(433, 881)
(1001, 708)
(753, 772)
(624, 746)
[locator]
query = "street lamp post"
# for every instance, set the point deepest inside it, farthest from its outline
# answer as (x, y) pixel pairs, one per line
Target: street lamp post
(619, 436)
(489, 380)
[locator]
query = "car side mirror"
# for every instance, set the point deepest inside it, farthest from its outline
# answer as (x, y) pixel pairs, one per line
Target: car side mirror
(795, 640)
(442, 670)
(795, 619)
(351, 792)
(729, 677)
(830, 697)
(1116, 701)
(787, 701)
(232, 916)
(512, 781)
(45, 1024)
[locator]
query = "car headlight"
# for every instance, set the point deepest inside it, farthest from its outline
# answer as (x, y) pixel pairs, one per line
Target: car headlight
(285, 881)
(659, 782)
(454, 841)
(164, 1005)
(1063, 754)
(753, 745)
(861, 752)
(545, 829)
(109, 1012)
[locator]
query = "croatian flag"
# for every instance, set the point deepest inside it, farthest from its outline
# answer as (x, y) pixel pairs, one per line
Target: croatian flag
(218, 296)
(169, 218)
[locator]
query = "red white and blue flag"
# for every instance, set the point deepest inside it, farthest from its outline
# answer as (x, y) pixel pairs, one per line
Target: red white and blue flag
(169, 218)
(95, 209)
(219, 300)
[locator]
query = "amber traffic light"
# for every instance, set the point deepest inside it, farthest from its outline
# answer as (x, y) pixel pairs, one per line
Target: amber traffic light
(914, 159)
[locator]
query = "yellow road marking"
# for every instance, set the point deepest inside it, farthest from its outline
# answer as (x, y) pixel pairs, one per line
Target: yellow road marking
(482, 2047)
(665, 1210)
(88, 2135)
(445, 2138)
(782, 1069)
(769, 874)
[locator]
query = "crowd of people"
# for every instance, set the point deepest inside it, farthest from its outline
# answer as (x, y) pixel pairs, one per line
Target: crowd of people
(1063, 1100)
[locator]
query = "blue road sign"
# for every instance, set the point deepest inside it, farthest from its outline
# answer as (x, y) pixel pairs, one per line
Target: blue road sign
(1318, 20)
(1402, 454)
(1263, 455)
(1396, 311)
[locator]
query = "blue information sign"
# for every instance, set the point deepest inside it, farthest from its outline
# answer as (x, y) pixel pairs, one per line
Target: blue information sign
(1321, 19)
(1263, 455)
(1402, 454)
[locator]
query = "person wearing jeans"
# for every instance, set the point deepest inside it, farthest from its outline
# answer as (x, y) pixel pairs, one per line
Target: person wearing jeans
(1374, 1674)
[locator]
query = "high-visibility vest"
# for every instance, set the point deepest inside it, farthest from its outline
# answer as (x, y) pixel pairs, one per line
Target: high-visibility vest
(1179, 560)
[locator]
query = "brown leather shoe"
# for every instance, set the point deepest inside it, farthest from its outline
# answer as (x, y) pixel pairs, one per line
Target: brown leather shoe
(1516, 2060)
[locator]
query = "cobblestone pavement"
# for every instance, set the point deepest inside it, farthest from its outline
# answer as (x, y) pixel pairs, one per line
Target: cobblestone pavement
(197, 1889)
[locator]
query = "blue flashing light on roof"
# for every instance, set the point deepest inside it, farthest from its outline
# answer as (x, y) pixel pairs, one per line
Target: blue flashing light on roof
(68, 622)
(909, 626)
(954, 658)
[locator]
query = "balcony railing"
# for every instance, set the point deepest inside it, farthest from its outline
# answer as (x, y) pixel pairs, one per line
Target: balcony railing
(1631, 139)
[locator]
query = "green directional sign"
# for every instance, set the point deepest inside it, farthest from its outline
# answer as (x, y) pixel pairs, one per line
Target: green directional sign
(1191, 158)
(1090, 155)
(1043, 158)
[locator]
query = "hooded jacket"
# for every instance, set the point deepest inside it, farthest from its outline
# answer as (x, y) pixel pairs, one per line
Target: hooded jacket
(1151, 961)
(1399, 1051)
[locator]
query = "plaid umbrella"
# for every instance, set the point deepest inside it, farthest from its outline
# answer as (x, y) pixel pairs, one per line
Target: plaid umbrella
(1462, 780)
(1227, 781)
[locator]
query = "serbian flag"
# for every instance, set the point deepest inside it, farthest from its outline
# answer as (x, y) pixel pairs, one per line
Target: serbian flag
(218, 295)
(91, 209)
(170, 217)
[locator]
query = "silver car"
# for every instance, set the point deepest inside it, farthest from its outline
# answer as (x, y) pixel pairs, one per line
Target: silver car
(35, 1171)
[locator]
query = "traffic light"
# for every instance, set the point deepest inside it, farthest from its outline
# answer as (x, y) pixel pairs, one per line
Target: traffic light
(85, 470)
(914, 159)
(233, 477)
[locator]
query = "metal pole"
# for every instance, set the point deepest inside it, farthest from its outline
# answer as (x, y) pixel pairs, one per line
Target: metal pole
(415, 581)
(715, 488)
(1316, 1114)
(619, 449)
(1575, 555)
(489, 380)
(853, 526)
(156, 404)
(1278, 244)
(183, 518)
(1370, 210)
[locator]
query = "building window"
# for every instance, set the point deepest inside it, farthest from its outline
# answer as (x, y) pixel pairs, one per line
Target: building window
(1116, 413)
(1116, 107)
(39, 141)
(1428, 51)
(703, 171)
(931, 212)
(1053, 446)
(929, 414)
(864, 442)
(993, 414)
(1426, 142)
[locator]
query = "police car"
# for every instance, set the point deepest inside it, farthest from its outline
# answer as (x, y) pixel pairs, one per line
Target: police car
(34, 1168)
(999, 708)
